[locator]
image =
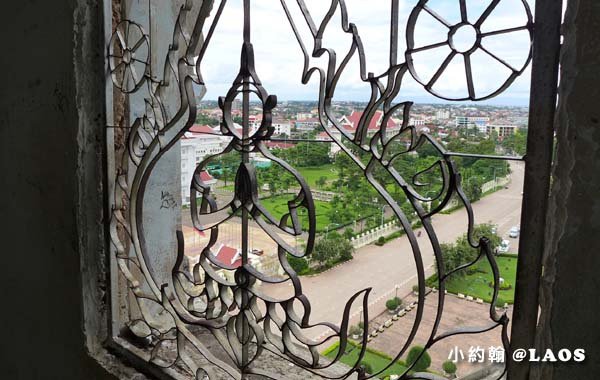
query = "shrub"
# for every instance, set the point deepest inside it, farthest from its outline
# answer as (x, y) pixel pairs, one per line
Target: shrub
(398, 300)
(367, 366)
(431, 281)
(355, 330)
(503, 286)
(298, 264)
(415, 288)
(500, 302)
(392, 304)
(380, 241)
(449, 367)
(348, 233)
(420, 363)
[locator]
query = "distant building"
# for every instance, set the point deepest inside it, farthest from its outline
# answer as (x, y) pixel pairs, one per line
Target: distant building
(503, 130)
(442, 114)
(198, 143)
(418, 123)
(334, 148)
(307, 125)
(471, 121)
(282, 127)
(352, 121)
(254, 121)
(304, 115)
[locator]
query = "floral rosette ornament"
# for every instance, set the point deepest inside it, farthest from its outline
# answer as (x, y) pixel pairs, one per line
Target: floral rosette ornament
(465, 39)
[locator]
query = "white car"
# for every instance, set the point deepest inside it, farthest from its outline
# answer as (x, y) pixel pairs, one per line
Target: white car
(514, 232)
(504, 246)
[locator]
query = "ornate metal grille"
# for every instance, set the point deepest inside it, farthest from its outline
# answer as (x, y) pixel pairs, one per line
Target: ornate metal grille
(174, 313)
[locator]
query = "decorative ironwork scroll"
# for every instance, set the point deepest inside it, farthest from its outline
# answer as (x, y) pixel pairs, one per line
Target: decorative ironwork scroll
(244, 321)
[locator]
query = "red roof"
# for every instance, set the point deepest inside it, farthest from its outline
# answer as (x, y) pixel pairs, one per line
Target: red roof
(197, 128)
(355, 116)
(229, 256)
(206, 177)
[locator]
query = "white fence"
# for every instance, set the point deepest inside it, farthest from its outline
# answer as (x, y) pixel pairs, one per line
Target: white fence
(370, 236)
(488, 186)
(503, 181)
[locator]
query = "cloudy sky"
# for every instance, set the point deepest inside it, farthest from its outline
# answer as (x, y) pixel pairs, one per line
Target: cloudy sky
(279, 60)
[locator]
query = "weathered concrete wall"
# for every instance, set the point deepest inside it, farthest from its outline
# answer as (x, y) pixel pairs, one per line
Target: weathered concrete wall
(51, 141)
(571, 280)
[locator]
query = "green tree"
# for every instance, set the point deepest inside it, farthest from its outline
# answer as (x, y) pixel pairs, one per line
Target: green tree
(517, 142)
(461, 252)
(229, 164)
(348, 233)
(344, 166)
(321, 181)
(420, 363)
(449, 367)
(391, 304)
(205, 119)
(332, 249)
(298, 264)
(472, 189)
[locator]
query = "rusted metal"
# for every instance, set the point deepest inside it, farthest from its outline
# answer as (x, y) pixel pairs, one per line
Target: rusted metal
(540, 141)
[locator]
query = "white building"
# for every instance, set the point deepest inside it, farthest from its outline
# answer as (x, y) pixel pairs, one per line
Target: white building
(305, 115)
(472, 121)
(334, 148)
(503, 130)
(200, 142)
(442, 114)
(418, 123)
(254, 121)
(282, 127)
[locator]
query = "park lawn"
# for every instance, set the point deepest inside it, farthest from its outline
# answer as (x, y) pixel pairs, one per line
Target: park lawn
(312, 174)
(277, 206)
(476, 284)
(377, 360)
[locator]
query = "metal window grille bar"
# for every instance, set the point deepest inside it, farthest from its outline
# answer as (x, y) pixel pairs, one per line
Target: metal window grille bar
(230, 307)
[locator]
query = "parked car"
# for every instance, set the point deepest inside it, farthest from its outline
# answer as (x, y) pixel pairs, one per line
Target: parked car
(514, 232)
(504, 247)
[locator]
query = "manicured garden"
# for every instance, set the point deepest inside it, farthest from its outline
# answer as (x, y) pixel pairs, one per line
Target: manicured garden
(278, 207)
(477, 279)
(313, 174)
(376, 360)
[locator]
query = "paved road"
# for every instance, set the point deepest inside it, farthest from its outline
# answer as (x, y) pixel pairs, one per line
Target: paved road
(382, 268)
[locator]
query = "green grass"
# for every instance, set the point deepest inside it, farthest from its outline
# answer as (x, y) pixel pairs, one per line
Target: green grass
(312, 174)
(476, 284)
(377, 360)
(277, 206)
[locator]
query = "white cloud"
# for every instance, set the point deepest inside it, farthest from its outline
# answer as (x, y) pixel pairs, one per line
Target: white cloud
(279, 60)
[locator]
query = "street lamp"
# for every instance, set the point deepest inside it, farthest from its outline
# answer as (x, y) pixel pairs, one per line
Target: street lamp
(396, 287)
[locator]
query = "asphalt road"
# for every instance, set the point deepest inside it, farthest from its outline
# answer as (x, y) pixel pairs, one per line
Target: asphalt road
(390, 269)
